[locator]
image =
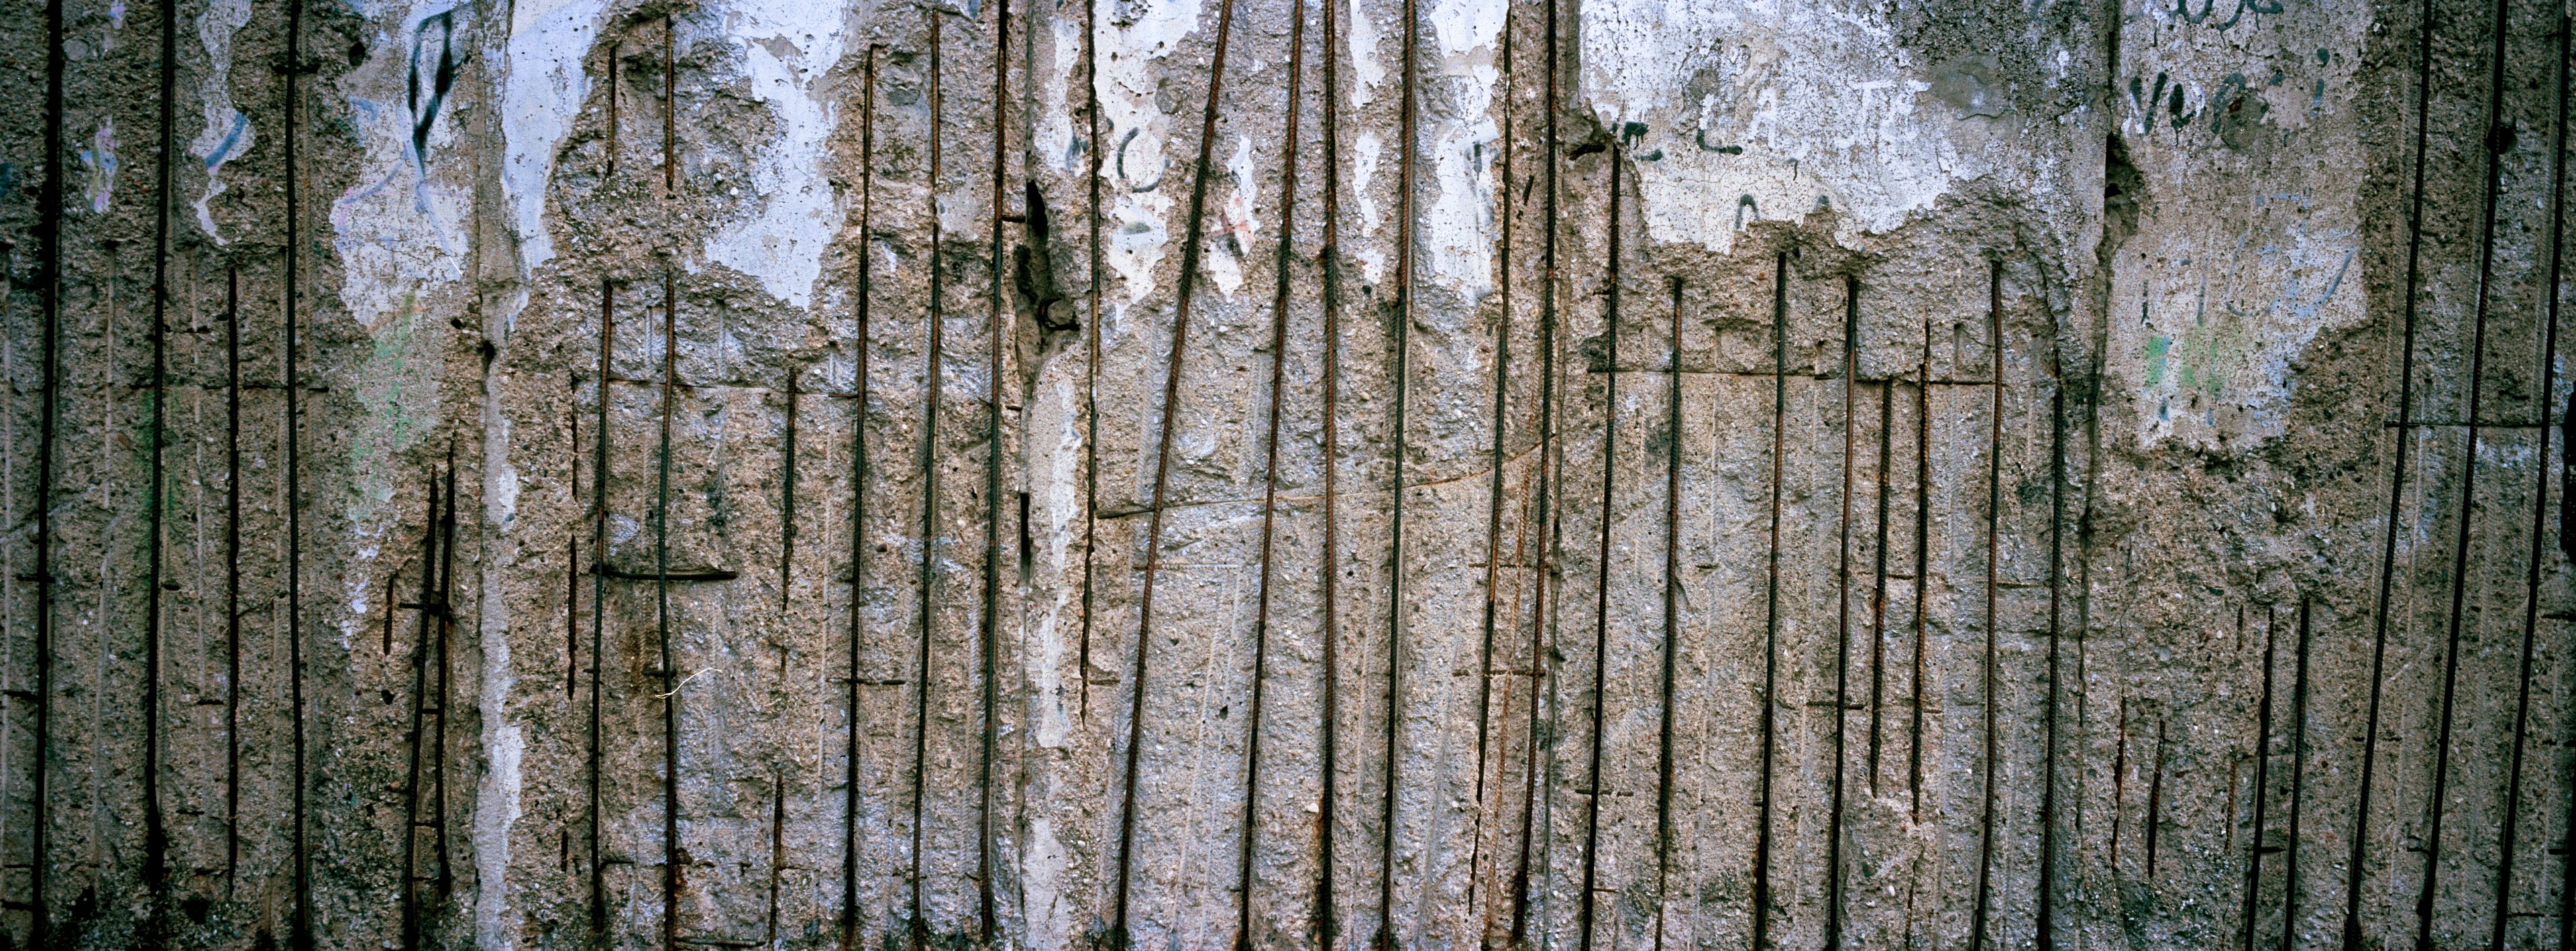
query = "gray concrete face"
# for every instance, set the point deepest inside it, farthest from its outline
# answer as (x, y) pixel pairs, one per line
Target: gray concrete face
(1201, 473)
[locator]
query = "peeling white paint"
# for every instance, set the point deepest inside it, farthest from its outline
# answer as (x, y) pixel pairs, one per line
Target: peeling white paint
(540, 94)
(400, 234)
(1817, 95)
(1053, 922)
(227, 133)
(1057, 142)
(401, 227)
(788, 49)
(1365, 67)
(1364, 159)
(1140, 183)
(1459, 228)
(497, 802)
(1237, 220)
(1061, 413)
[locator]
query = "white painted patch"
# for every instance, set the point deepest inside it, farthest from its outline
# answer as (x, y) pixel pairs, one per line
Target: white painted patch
(1817, 95)
(788, 49)
(1237, 220)
(1053, 921)
(1058, 143)
(400, 228)
(496, 810)
(541, 92)
(2220, 329)
(227, 133)
(1365, 67)
(400, 234)
(1062, 502)
(1141, 183)
(1459, 232)
(1364, 159)
(497, 802)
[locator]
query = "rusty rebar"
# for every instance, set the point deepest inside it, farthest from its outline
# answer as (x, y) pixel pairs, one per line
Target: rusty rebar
(1542, 481)
(49, 226)
(301, 926)
(2356, 867)
(849, 923)
(1601, 567)
(1994, 514)
(598, 899)
(2539, 512)
(1191, 248)
(1833, 924)
(1281, 260)
(2496, 130)
(670, 692)
(988, 621)
(918, 926)
(1672, 612)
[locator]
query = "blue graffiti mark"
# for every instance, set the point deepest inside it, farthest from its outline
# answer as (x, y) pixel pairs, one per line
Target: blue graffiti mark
(223, 150)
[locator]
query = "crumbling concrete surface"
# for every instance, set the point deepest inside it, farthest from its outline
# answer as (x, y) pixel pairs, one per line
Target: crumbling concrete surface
(1415, 474)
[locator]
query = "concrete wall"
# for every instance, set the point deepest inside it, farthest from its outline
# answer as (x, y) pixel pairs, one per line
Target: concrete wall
(1200, 473)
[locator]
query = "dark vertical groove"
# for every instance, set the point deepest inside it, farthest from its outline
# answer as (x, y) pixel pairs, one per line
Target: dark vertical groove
(1601, 568)
(2298, 786)
(301, 926)
(918, 926)
(1396, 605)
(1091, 331)
(232, 577)
(599, 605)
(1878, 580)
(988, 629)
(671, 104)
(445, 879)
(787, 495)
(1833, 940)
(1280, 261)
(1922, 566)
(1771, 605)
(2047, 911)
(2539, 508)
(572, 596)
(1327, 923)
(1543, 571)
(409, 886)
(2156, 798)
(49, 226)
(386, 641)
(662, 622)
(2495, 131)
(858, 505)
(156, 835)
(1994, 513)
(2119, 785)
(2262, 782)
(609, 160)
(1494, 487)
(2356, 867)
(1672, 614)
(777, 848)
(1186, 286)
